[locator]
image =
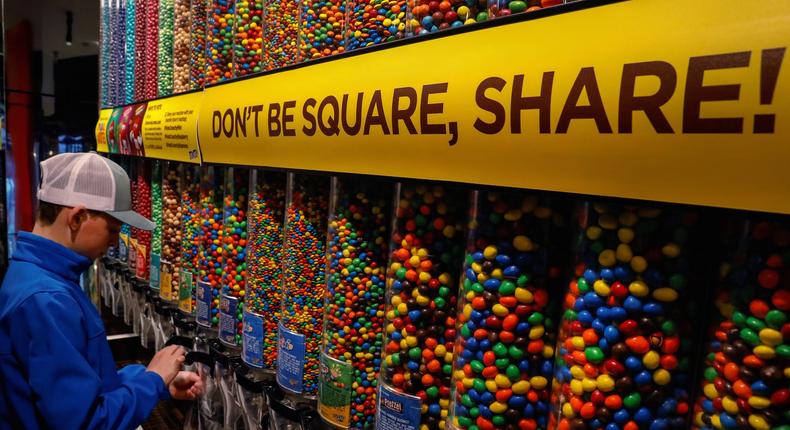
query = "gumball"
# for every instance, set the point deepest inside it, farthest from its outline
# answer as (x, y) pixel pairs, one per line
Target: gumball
(426, 254)
(304, 267)
(281, 33)
(266, 212)
(181, 47)
(355, 298)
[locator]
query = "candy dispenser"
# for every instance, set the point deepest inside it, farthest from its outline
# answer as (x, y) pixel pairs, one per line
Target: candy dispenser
(430, 16)
(167, 10)
(141, 202)
(130, 59)
(322, 28)
(626, 338)
(426, 255)
(304, 284)
(499, 8)
(357, 254)
(197, 43)
(181, 46)
(219, 41)
(746, 379)
(107, 16)
(511, 289)
(371, 22)
(281, 33)
(171, 232)
(190, 237)
(141, 15)
(262, 300)
(151, 54)
(117, 85)
(209, 266)
(156, 217)
(234, 255)
(248, 38)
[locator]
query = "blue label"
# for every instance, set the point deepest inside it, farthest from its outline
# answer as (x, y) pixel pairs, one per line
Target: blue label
(290, 360)
(252, 348)
(203, 299)
(397, 411)
(155, 267)
(228, 306)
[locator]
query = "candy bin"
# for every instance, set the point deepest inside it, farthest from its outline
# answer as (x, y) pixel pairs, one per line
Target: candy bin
(322, 30)
(248, 38)
(426, 255)
(181, 47)
(117, 85)
(625, 339)
(499, 8)
(151, 53)
(431, 16)
(371, 22)
(156, 217)
(219, 41)
(281, 33)
(234, 256)
(190, 237)
(197, 43)
(262, 299)
(167, 17)
(747, 368)
(129, 51)
(141, 201)
(107, 16)
(171, 232)
(357, 255)
(304, 284)
(511, 290)
(210, 260)
(141, 8)
(249, 390)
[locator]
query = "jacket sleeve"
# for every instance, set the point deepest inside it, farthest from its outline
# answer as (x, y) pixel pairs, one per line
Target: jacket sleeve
(67, 389)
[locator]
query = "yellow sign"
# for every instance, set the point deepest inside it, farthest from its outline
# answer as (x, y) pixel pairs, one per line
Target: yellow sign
(629, 99)
(101, 130)
(166, 283)
(170, 128)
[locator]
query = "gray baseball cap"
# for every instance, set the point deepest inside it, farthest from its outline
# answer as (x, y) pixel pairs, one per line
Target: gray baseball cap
(88, 179)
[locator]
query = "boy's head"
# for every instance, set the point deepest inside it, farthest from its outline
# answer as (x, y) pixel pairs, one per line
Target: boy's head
(83, 200)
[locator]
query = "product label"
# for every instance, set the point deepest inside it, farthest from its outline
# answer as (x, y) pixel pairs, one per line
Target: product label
(397, 411)
(334, 388)
(185, 290)
(123, 247)
(290, 360)
(203, 296)
(132, 254)
(154, 272)
(228, 306)
(166, 282)
(252, 348)
(141, 263)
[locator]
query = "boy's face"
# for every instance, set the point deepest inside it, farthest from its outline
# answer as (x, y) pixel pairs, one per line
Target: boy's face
(96, 232)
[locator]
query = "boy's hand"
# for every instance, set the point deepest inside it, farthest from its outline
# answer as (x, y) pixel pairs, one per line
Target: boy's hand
(186, 386)
(167, 363)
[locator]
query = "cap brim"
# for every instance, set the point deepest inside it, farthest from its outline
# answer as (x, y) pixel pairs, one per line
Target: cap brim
(133, 219)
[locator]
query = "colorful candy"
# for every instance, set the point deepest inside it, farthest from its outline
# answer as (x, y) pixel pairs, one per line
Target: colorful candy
(625, 341)
(265, 216)
(210, 260)
(117, 85)
(281, 33)
(234, 253)
(355, 298)
(151, 48)
(322, 26)
(248, 43)
(156, 206)
(219, 41)
(141, 203)
(190, 237)
(181, 47)
(134, 54)
(197, 43)
(107, 15)
(747, 374)
(165, 47)
(304, 280)
(171, 231)
(498, 8)
(504, 351)
(371, 22)
(422, 292)
(429, 16)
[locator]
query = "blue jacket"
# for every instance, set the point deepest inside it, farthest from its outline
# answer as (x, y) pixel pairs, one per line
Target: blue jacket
(56, 368)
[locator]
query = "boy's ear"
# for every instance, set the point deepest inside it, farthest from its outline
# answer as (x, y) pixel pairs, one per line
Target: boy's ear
(76, 216)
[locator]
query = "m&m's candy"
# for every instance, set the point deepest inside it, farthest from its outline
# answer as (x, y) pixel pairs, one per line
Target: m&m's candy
(234, 241)
(210, 254)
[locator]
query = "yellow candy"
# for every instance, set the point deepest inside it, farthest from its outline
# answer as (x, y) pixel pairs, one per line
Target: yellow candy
(758, 422)
(500, 310)
(498, 408)
(567, 410)
(403, 309)
(607, 258)
(423, 300)
(639, 264)
(601, 288)
(589, 384)
(593, 232)
(662, 377)
(491, 385)
(651, 360)
(536, 332)
(524, 295)
(411, 341)
(758, 402)
(578, 342)
(764, 352)
(771, 337)
(490, 252)
(440, 350)
(698, 419)
(520, 387)
(710, 391)
(716, 421)
(729, 405)
(577, 372)
(624, 253)
(576, 387)
(523, 243)
(468, 382)
(605, 383)
(513, 214)
(626, 235)
(607, 222)
(502, 381)
(638, 288)
(671, 250)
(538, 382)
(665, 294)
(787, 372)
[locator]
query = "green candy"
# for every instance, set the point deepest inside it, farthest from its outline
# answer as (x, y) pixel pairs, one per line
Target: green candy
(513, 373)
(500, 349)
(593, 354)
(750, 336)
(473, 411)
(444, 291)
(517, 6)
(570, 315)
(535, 319)
(669, 328)
(447, 369)
(523, 280)
(582, 285)
(632, 401)
(498, 421)
(755, 324)
(439, 302)
(710, 374)
(479, 385)
(478, 288)
(415, 353)
(465, 422)
(507, 288)
(432, 392)
(775, 318)
(677, 282)
(467, 401)
(739, 319)
(465, 332)
(515, 352)
(501, 363)
(477, 366)
(783, 351)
